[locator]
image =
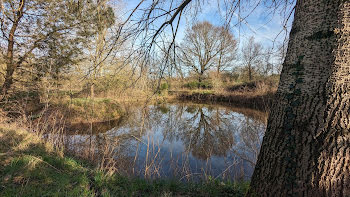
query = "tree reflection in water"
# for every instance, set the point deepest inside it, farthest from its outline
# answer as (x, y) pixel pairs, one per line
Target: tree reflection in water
(206, 132)
(182, 140)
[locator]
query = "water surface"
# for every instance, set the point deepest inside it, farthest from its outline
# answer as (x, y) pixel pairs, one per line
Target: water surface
(182, 140)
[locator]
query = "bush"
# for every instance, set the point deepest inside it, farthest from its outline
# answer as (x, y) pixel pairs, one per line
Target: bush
(196, 84)
(164, 86)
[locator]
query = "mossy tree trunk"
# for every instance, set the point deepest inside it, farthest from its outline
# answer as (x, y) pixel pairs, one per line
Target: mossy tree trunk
(306, 148)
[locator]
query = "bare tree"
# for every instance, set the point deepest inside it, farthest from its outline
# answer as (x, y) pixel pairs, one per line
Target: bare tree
(227, 50)
(251, 53)
(271, 60)
(153, 22)
(266, 65)
(206, 46)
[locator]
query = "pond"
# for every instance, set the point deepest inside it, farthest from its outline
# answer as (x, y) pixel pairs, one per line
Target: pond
(185, 141)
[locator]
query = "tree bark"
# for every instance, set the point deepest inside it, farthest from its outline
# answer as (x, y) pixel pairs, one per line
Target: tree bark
(306, 148)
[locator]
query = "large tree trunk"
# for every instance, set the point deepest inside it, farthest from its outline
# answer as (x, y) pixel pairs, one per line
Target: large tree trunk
(306, 148)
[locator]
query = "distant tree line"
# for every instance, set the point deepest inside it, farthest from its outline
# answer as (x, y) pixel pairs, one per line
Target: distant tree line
(208, 48)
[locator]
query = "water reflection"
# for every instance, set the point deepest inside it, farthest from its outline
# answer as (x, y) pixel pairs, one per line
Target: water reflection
(206, 132)
(188, 141)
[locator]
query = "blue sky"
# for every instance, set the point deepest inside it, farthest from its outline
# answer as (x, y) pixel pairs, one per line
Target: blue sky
(260, 23)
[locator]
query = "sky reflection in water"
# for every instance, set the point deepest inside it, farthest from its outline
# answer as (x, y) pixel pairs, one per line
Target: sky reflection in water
(187, 141)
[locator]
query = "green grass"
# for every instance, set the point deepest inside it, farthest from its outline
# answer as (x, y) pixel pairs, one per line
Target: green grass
(121, 186)
(31, 167)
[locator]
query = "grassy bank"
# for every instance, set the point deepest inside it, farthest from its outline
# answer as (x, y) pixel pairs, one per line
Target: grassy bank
(253, 95)
(29, 166)
(258, 102)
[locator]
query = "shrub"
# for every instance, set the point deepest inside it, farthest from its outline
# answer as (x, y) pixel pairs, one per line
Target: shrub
(164, 86)
(195, 84)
